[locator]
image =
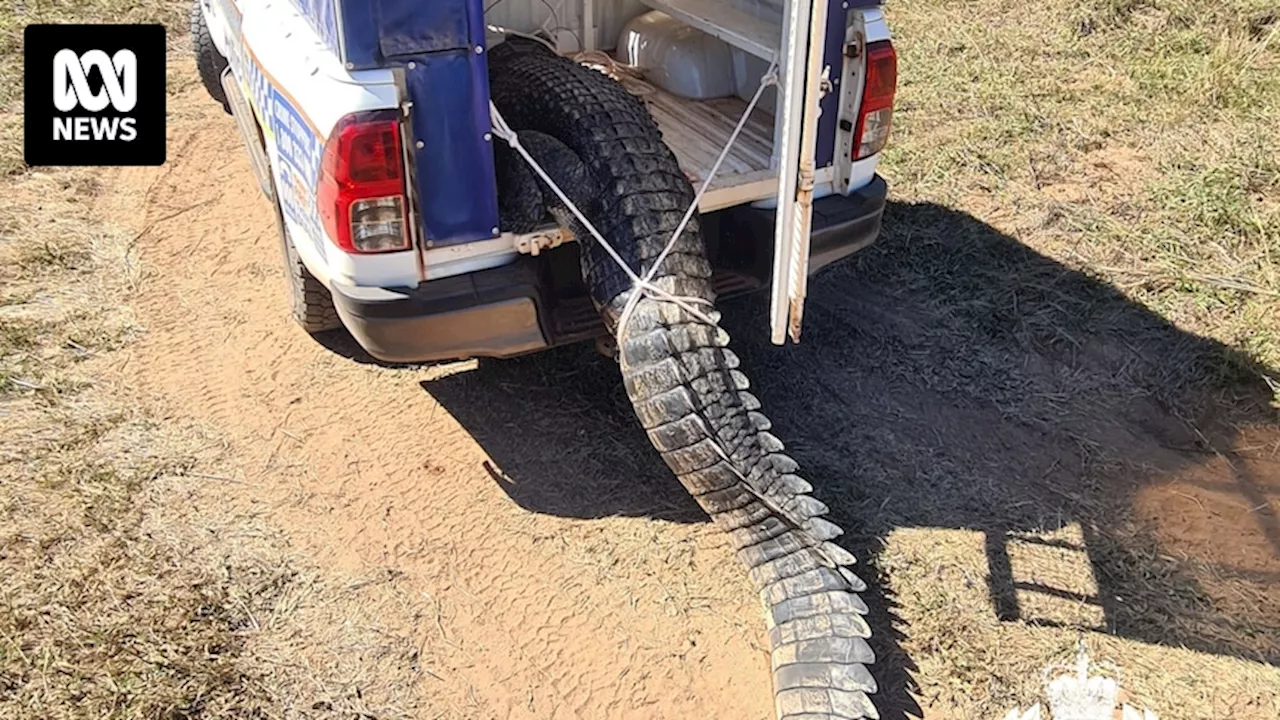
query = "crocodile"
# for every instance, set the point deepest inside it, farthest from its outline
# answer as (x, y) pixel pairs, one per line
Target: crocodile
(601, 147)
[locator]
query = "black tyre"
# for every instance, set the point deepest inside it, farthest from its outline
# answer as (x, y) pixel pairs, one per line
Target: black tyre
(602, 147)
(310, 302)
(209, 62)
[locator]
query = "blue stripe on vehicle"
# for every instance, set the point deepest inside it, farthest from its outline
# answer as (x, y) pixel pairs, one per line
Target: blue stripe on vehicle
(322, 15)
(299, 152)
(299, 148)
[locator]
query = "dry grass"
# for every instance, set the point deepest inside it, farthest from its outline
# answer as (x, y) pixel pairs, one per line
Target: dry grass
(1071, 338)
(1133, 139)
(20, 13)
(994, 403)
(135, 585)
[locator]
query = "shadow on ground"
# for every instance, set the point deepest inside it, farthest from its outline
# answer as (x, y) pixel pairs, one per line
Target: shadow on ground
(953, 378)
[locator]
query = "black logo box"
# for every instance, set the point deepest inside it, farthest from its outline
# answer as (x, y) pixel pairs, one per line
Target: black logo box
(41, 43)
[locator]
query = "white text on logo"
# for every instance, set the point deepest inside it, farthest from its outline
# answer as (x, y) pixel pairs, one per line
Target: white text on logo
(71, 88)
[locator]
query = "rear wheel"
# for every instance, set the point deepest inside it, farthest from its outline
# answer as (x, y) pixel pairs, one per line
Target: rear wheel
(603, 149)
(310, 302)
(209, 62)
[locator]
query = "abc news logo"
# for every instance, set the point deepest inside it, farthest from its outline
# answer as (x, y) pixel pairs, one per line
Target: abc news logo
(71, 90)
(94, 95)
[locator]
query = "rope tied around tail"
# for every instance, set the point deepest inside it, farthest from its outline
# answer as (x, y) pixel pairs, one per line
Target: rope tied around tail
(830, 555)
(642, 286)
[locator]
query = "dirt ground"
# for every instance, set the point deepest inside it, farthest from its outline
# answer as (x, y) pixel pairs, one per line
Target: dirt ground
(537, 614)
(1019, 476)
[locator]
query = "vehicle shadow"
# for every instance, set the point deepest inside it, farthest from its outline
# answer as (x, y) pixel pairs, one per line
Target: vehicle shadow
(953, 379)
(340, 342)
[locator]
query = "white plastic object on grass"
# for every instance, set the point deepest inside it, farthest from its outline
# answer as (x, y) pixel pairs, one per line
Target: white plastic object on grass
(1079, 695)
(1032, 714)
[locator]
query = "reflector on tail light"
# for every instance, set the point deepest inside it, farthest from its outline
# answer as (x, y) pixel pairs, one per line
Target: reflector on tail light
(377, 224)
(875, 115)
(360, 193)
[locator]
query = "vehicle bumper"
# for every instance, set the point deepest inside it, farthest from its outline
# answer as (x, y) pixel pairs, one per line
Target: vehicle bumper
(503, 312)
(841, 225)
(845, 224)
(490, 313)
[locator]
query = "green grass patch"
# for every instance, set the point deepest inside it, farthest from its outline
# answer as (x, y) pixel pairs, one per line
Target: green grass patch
(1134, 139)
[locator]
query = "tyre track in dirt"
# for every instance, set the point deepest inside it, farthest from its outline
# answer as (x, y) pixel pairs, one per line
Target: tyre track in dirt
(538, 616)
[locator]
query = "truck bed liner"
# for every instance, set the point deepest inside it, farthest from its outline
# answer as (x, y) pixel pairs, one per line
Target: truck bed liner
(696, 131)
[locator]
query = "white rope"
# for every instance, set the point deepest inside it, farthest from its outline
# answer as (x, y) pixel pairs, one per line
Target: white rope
(769, 78)
(641, 286)
(504, 131)
(644, 285)
(527, 36)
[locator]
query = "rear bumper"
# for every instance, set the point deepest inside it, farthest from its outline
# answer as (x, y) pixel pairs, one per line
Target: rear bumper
(841, 226)
(491, 313)
(507, 311)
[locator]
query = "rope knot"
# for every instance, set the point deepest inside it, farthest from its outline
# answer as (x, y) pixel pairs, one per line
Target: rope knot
(641, 286)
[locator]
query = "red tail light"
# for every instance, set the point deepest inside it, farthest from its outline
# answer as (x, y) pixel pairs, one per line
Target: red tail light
(361, 193)
(876, 114)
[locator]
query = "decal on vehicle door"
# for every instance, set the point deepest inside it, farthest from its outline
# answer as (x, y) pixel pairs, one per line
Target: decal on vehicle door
(299, 151)
(294, 144)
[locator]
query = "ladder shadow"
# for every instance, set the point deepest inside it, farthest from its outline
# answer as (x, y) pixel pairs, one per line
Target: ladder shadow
(953, 383)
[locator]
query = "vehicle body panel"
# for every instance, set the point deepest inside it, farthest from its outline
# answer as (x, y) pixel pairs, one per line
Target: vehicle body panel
(437, 48)
(456, 185)
(303, 65)
(271, 47)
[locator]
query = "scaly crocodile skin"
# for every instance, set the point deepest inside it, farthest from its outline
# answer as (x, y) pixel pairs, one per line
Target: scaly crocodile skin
(603, 149)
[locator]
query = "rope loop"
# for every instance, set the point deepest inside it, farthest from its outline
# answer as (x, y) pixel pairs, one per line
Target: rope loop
(642, 286)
